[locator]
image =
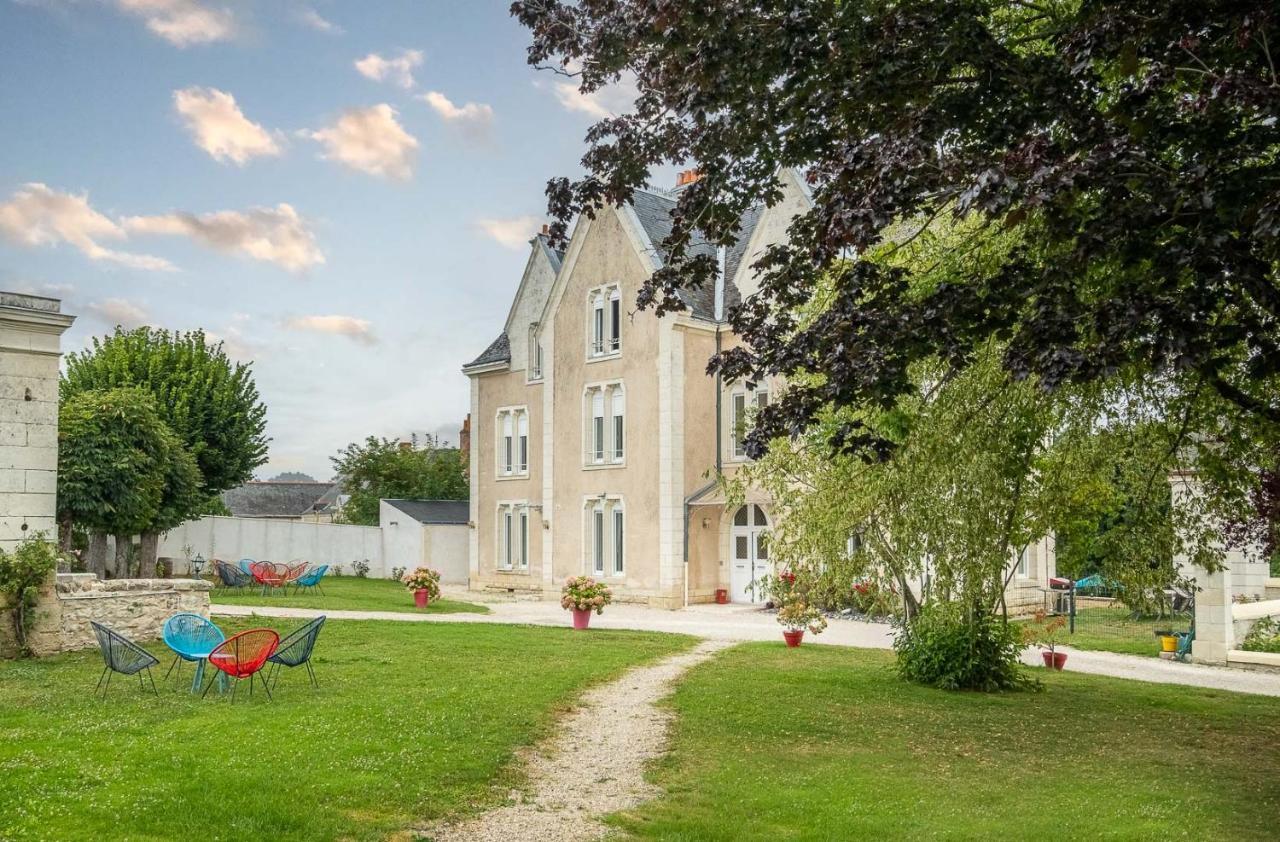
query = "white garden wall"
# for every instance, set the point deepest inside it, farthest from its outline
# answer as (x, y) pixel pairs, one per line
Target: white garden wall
(261, 539)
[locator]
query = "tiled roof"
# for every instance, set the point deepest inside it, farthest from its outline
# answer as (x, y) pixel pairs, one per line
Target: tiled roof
(499, 351)
(554, 256)
(435, 511)
(277, 499)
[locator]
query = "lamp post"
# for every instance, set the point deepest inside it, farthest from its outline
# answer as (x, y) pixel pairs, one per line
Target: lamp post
(197, 565)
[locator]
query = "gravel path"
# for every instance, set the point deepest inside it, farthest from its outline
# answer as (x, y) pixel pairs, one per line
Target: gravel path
(594, 765)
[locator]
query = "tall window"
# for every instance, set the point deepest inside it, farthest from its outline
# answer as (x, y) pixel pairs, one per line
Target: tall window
(604, 321)
(740, 404)
(522, 427)
(603, 534)
(597, 540)
(619, 410)
(604, 424)
(1024, 562)
(513, 441)
(535, 354)
(597, 426)
(513, 536)
(617, 540)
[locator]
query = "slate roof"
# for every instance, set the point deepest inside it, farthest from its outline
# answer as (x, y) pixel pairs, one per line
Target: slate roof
(277, 499)
(554, 256)
(499, 351)
(434, 511)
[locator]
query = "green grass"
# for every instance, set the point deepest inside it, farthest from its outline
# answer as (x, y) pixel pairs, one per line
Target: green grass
(412, 721)
(1110, 629)
(825, 743)
(348, 593)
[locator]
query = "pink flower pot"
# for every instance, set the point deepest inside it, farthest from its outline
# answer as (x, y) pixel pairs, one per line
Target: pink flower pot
(1054, 660)
(793, 637)
(581, 619)
(421, 597)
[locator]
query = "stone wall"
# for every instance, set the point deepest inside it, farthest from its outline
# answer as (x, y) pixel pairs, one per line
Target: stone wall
(137, 608)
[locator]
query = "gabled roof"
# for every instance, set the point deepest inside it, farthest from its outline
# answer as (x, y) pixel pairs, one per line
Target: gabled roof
(499, 351)
(434, 511)
(554, 255)
(278, 499)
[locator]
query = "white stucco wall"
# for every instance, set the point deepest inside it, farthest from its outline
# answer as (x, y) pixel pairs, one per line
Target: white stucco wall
(234, 538)
(408, 543)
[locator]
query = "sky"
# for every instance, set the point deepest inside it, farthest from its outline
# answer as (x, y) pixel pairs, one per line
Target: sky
(341, 191)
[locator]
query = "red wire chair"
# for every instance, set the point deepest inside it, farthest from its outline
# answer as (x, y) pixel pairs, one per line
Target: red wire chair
(294, 572)
(241, 656)
(268, 575)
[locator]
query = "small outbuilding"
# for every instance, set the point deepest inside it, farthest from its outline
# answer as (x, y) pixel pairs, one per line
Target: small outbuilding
(426, 533)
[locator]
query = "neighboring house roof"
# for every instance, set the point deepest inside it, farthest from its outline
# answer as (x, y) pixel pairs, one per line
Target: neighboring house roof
(499, 351)
(556, 256)
(278, 499)
(434, 511)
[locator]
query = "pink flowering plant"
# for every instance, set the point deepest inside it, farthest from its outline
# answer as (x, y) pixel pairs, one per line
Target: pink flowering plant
(796, 614)
(423, 579)
(583, 593)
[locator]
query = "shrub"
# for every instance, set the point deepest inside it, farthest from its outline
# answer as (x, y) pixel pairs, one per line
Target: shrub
(582, 593)
(423, 579)
(947, 647)
(361, 568)
(1263, 637)
(398, 573)
(21, 574)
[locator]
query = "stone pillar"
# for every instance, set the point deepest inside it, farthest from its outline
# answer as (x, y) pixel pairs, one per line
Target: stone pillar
(30, 331)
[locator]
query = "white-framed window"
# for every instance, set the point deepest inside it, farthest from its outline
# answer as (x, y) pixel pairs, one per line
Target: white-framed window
(604, 424)
(513, 536)
(535, 353)
(741, 405)
(604, 536)
(1024, 563)
(604, 321)
(522, 447)
(512, 441)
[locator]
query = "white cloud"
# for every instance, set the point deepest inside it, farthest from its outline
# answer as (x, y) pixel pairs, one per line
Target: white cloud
(220, 128)
(514, 232)
(120, 311)
(273, 235)
(183, 22)
(308, 16)
(474, 117)
(370, 140)
(357, 330)
(398, 70)
(37, 215)
(609, 101)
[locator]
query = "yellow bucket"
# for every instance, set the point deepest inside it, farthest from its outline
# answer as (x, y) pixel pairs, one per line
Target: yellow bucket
(1168, 643)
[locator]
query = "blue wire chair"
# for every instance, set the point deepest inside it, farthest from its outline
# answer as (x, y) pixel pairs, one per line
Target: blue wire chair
(122, 655)
(244, 565)
(192, 638)
(232, 576)
(311, 579)
(295, 651)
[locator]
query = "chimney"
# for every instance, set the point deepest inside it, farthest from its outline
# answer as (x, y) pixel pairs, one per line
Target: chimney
(406, 445)
(687, 177)
(546, 229)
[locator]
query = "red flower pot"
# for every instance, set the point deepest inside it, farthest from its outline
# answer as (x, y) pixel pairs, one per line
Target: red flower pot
(421, 597)
(581, 618)
(722, 596)
(1054, 660)
(793, 637)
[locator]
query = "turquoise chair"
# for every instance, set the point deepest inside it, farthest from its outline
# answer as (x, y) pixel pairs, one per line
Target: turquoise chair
(244, 564)
(311, 579)
(192, 638)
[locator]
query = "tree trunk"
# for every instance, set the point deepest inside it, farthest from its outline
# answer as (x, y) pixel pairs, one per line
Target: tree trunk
(123, 544)
(148, 545)
(64, 532)
(96, 557)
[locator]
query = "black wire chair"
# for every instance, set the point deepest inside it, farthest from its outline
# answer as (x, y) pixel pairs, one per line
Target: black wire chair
(231, 576)
(295, 651)
(122, 655)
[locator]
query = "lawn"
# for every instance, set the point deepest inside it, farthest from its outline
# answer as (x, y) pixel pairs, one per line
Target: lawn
(825, 743)
(412, 721)
(349, 593)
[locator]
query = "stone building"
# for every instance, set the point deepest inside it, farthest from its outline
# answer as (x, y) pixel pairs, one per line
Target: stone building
(31, 328)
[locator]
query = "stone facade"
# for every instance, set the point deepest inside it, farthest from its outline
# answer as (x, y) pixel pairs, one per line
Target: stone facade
(30, 332)
(137, 608)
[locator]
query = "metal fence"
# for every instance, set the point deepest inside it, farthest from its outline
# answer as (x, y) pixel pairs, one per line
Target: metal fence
(1097, 619)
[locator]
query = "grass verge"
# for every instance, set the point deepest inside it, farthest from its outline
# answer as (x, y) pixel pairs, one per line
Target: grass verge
(349, 593)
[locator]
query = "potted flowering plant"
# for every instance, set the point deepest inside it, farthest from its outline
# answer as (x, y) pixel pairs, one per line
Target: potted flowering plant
(425, 585)
(582, 595)
(1046, 632)
(796, 615)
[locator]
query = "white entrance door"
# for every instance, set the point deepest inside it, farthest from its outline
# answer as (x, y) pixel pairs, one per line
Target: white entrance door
(749, 547)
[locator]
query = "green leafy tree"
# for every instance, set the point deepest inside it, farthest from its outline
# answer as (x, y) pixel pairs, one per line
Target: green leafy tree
(383, 468)
(120, 468)
(22, 572)
(206, 399)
